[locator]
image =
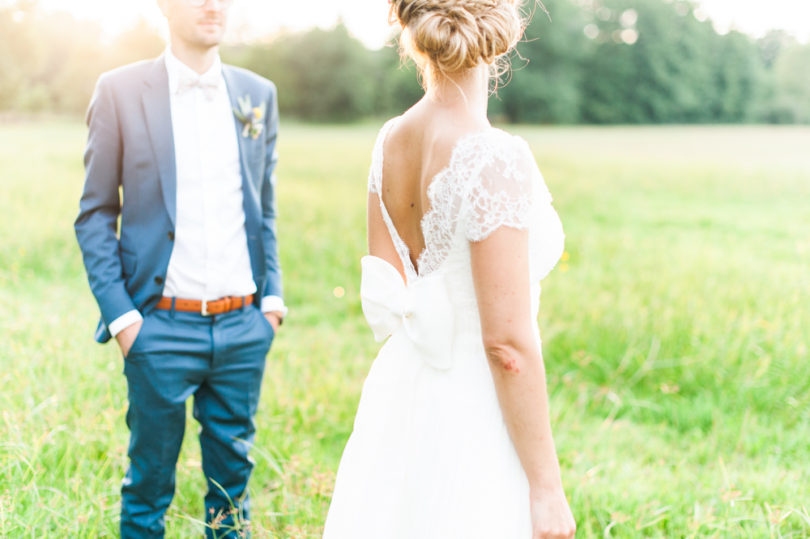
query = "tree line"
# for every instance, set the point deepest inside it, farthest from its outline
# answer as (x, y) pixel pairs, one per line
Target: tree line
(584, 61)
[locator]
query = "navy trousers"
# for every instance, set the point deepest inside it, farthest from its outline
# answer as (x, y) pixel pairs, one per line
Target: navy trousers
(219, 360)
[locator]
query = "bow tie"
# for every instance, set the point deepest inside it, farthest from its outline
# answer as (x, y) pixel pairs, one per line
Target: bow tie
(421, 310)
(208, 83)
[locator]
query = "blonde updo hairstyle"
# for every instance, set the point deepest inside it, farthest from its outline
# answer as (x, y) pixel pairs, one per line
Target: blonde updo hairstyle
(450, 36)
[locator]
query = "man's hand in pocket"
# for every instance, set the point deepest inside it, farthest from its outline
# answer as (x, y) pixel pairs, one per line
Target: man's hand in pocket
(127, 336)
(274, 318)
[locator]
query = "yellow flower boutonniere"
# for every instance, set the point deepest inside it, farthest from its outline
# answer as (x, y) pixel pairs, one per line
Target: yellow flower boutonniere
(250, 116)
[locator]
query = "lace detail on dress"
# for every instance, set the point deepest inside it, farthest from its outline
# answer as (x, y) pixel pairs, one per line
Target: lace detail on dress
(490, 181)
(501, 192)
(487, 184)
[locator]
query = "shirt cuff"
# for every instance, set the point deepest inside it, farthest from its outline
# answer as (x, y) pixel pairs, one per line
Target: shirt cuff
(124, 321)
(274, 304)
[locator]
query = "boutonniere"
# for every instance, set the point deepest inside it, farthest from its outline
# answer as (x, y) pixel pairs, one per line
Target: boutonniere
(250, 116)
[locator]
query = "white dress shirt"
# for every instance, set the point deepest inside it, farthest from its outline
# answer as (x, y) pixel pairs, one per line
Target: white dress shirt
(210, 258)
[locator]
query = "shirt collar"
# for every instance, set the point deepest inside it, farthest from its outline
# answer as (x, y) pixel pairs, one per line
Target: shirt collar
(177, 70)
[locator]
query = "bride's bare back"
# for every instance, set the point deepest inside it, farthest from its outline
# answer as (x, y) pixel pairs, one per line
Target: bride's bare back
(418, 147)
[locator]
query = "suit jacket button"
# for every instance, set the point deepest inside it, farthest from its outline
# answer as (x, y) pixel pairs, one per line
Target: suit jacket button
(171, 235)
(158, 280)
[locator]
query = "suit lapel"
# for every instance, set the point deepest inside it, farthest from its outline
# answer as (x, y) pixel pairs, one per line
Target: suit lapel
(250, 194)
(234, 94)
(157, 109)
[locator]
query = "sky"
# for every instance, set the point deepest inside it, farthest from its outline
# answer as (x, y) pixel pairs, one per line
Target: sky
(367, 19)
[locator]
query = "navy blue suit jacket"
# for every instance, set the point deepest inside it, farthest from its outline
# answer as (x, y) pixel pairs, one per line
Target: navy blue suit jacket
(130, 152)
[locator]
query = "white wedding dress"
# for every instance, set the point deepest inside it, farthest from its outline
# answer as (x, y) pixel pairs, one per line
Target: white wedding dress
(430, 456)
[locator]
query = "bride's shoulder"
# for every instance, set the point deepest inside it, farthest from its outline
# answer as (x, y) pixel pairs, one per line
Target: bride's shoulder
(386, 127)
(382, 134)
(375, 171)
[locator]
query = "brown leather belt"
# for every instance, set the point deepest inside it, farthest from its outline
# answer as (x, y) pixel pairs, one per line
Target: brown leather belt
(205, 308)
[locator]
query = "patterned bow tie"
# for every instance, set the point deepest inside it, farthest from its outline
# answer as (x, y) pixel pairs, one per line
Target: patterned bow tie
(208, 83)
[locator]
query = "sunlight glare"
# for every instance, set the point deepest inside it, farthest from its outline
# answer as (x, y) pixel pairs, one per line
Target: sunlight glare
(367, 19)
(250, 19)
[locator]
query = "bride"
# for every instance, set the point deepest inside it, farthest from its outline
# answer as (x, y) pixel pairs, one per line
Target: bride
(452, 437)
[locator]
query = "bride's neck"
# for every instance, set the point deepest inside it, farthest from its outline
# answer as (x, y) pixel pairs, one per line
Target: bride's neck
(466, 92)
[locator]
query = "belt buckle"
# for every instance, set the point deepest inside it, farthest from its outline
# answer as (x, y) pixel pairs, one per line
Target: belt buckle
(204, 308)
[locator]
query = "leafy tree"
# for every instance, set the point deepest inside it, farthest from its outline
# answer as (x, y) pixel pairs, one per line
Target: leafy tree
(51, 61)
(396, 82)
(594, 61)
(21, 55)
(649, 64)
(547, 74)
(321, 75)
(771, 46)
(738, 74)
(792, 97)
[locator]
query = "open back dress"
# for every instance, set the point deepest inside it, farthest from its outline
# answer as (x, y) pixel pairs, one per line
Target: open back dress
(430, 456)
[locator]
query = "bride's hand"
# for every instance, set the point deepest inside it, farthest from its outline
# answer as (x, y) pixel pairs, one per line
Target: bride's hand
(551, 515)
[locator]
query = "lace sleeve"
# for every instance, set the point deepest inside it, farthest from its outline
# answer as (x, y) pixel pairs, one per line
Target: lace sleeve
(501, 189)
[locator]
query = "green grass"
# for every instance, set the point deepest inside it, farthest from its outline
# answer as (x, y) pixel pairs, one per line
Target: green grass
(675, 336)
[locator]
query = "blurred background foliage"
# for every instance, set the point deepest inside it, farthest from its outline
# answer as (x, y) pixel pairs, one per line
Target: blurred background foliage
(586, 61)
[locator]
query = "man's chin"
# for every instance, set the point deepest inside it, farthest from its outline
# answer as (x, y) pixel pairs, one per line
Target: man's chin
(210, 36)
(208, 41)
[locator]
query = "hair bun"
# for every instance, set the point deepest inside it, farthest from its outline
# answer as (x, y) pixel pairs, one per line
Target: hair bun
(453, 35)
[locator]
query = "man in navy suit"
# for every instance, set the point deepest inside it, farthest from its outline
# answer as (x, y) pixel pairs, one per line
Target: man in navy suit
(191, 287)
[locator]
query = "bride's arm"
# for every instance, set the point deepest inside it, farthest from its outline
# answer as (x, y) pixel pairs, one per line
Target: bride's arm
(501, 275)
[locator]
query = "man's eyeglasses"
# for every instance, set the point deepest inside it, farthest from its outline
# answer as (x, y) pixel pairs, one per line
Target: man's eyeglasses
(201, 3)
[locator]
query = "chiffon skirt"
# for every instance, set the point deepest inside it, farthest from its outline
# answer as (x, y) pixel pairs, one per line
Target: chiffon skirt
(430, 456)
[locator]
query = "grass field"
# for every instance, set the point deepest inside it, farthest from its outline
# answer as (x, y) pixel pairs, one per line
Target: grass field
(675, 336)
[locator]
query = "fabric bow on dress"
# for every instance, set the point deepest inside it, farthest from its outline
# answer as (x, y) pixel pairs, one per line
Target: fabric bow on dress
(421, 310)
